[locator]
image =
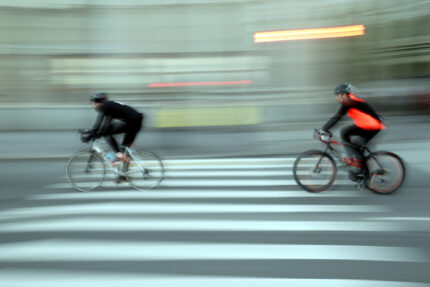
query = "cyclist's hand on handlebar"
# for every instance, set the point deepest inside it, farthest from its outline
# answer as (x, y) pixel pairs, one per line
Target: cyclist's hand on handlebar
(323, 135)
(87, 135)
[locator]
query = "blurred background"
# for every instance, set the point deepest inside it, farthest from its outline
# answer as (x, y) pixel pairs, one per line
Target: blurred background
(194, 65)
(231, 91)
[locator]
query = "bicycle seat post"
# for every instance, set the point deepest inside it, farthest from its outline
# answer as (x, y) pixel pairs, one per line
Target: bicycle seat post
(96, 147)
(127, 152)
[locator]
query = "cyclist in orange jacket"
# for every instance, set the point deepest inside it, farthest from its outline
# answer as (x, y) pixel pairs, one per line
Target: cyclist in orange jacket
(367, 123)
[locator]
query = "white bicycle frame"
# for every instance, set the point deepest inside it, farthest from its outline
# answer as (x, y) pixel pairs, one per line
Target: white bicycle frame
(116, 169)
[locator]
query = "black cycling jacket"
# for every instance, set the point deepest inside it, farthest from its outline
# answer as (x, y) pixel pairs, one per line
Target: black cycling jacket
(109, 110)
(363, 115)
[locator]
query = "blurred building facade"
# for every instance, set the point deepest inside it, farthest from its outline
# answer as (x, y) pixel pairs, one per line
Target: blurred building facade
(58, 52)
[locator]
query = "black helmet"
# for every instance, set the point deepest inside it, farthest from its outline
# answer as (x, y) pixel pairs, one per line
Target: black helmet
(98, 97)
(343, 89)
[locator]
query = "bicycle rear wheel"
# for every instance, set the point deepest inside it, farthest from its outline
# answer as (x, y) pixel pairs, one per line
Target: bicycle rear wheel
(145, 170)
(386, 171)
(85, 170)
(314, 171)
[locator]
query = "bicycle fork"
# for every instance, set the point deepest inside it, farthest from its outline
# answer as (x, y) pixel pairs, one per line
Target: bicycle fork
(317, 168)
(88, 167)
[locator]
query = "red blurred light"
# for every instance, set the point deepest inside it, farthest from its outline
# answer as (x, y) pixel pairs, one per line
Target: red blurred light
(160, 85)
(305, 34)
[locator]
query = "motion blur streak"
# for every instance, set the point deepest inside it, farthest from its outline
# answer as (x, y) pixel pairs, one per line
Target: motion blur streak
(159, 85)
(305, 34)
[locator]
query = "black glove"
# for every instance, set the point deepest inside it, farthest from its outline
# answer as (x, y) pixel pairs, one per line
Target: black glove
(97, 135)
(86, 135)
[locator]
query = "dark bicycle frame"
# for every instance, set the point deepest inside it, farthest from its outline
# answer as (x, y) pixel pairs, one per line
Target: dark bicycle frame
(328, 147)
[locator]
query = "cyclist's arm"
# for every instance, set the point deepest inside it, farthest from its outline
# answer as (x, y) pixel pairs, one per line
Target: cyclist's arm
(333, 120)
(97, 123)
(104, 125)
(101, 125)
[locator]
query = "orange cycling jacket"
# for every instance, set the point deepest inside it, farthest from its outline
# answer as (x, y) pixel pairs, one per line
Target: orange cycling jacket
(363, 115)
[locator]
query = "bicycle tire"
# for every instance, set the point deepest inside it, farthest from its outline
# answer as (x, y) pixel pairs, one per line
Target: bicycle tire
(145, 170)
(377, 178)
(85, 170)
(304, 169)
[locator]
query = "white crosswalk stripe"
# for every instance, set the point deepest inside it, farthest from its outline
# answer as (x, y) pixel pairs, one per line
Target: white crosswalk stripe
(112, 224)
(189, 228)
(194, 193)
(167, 182)
(94, 278)
(175, 208)
(185, 251)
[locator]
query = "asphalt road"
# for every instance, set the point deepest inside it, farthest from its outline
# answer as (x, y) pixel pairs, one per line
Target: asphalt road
(238, 221)
(228, 213)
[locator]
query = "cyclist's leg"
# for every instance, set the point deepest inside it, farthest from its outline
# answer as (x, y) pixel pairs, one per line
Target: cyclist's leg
(115, 128)
(364, 138)
(359, 168)
(130, 134)
(346, 133)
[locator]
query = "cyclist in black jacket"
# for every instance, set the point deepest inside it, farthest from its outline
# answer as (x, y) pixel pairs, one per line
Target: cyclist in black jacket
(130, 122)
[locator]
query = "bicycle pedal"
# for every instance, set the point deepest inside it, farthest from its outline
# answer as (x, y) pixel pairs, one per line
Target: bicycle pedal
(121, 179)
(362, 183)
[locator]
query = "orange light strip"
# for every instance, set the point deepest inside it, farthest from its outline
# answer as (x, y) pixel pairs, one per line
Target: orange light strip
(160, 85)
(305, 34)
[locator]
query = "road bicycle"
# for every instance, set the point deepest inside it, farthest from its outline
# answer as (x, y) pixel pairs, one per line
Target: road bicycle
(87, 169)
(316, 170)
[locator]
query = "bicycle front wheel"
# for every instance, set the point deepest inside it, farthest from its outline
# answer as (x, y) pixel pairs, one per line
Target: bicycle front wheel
(85, 170)
(145, 170)
(386, 171)
(314, 171)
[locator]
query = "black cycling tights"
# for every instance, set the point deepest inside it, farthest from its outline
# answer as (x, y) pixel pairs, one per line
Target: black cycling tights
(130, 131)
(363, 137)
